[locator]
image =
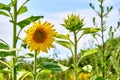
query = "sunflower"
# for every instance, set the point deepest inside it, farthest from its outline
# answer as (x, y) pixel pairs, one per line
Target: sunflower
(39, 37)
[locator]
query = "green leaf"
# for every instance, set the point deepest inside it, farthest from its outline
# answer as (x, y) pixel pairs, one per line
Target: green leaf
(54, 67)
(5, 54)
(10, 63)
(64, 68)
(1, 5)
(62, 36)
(9, 52)
(89, 52)
(45, 71)
(3, 44)
(5, 70)
(87, 68)
(90, 30)
(92, 6)
(43, 74)
(23, 74)
(4, 7)
(1, 76)
(22, 10)
(4, 49)
(28, 20)
(28, 55)
(4, 13)
(6, 64)
(12, 3)
(65, 44)
(99, 78)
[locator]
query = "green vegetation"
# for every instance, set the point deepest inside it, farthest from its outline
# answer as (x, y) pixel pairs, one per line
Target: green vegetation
(101, 62)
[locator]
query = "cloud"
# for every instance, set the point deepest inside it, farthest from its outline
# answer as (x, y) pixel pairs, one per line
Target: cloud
(56, 18)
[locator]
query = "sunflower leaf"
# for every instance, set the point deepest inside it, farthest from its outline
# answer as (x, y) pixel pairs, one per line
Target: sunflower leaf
(64, 68)
(22, 10)
(5, 49)
(12, 3)
(7, 52)
(54, 67)
(3, 44)
(28, 55)
(66, 44)
(4, 7)
(89, 52)
(90, 30)
(28, 20)
(5, 70)
(44, 71)
(23, 74)
(62, 36)
(4, 13)
(99, 78)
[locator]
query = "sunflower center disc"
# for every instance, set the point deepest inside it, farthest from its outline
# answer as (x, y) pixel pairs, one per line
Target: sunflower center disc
(38, 36)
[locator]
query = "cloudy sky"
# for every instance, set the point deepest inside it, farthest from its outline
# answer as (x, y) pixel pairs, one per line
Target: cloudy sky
(55, 11)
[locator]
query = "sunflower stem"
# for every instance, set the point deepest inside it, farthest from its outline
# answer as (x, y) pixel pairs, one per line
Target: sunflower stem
(75, 56)
(35, 63)
(5, 64)
(102, 37)
(14, 71)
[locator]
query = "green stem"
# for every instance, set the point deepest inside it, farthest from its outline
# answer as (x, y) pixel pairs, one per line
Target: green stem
(96, 64)
(75, 56)
(17, 36)
(14, 72)
(71, 42)
(102, 36)
(4, 42)
(35, 63)
(80, 37)
(79, 61)
(5, 64)
(80, 57)
(25, 76)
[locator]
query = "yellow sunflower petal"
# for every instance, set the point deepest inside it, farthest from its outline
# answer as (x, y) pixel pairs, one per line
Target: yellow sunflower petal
(44, 24)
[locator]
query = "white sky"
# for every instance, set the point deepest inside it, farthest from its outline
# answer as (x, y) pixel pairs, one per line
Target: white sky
(55, 11)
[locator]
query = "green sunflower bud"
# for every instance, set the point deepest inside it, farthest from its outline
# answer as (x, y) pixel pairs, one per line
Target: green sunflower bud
(73, 23)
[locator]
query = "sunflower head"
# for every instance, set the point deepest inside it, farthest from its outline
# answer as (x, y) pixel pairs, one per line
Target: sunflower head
(73, 23)
(39, 37)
